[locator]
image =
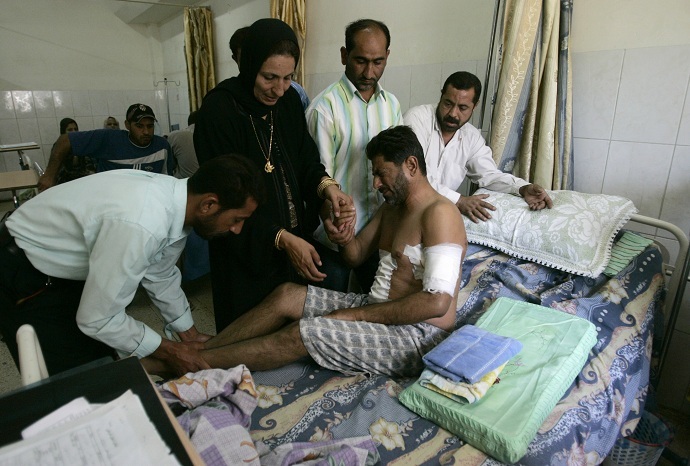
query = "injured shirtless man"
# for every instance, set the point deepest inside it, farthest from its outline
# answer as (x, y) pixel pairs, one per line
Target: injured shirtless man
(411, 307)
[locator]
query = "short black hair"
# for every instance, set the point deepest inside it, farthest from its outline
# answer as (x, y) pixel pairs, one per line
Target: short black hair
(464, 81)
(233, 178)
(361, 24)
(237, 39)
(191, 119)
(396, 144)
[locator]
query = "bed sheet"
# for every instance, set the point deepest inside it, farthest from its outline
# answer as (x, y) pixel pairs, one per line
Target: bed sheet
(303, 402)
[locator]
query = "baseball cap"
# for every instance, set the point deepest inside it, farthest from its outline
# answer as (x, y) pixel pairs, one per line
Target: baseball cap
(136, 112)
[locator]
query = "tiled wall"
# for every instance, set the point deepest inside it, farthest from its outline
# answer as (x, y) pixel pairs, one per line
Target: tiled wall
(34, 116)
(631, 127)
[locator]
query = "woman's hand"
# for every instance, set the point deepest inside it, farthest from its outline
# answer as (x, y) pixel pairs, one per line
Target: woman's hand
(339, 230)
(303, 256)
(342, 207)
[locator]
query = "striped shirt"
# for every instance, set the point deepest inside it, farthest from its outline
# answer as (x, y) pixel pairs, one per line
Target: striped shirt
(342, 123)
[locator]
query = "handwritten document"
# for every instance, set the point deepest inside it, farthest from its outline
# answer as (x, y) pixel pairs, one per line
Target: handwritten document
(116, 433)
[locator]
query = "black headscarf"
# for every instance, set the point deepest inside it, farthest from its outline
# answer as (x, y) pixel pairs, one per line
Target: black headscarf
(262, 36)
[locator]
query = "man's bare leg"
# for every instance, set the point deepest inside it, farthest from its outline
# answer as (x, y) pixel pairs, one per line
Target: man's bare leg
(285, 304)
(262, 353)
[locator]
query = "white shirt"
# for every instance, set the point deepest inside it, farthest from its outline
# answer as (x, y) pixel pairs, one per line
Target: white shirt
(113, 230)
(466, 154)
(182, 144)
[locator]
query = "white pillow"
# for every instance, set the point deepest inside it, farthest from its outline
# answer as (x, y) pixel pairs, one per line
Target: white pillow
(574, 236)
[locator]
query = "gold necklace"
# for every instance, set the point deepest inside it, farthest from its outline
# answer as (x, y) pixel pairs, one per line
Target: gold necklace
(268, 168)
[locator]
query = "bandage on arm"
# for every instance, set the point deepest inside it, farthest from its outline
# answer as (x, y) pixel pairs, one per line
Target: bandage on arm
(442, 268)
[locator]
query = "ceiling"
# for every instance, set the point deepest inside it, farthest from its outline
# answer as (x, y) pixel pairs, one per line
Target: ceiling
(147, 11)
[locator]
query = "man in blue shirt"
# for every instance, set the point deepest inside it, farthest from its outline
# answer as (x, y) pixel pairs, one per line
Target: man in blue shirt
(137, 147)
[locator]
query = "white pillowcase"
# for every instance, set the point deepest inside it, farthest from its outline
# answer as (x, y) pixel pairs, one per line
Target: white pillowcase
(574, 236)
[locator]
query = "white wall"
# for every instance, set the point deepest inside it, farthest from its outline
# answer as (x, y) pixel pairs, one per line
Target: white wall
(422, 55)
(72, 59)
(429, 41)
(74, 45)
(226, 21)
(631, 126)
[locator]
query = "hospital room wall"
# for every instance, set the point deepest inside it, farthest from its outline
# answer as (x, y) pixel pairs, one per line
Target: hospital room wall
(71, 58)
(631, 126)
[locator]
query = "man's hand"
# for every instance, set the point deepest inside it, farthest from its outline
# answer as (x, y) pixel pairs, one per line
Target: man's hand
(44, 182)
(347, 216)
(536, 197)
(303, 257)
(178, 358)
(194, 335)
(342, 206)
(474, 207)
(339, 230)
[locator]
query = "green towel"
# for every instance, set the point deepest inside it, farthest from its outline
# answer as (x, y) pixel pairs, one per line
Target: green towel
(503, 422)
(624, 251)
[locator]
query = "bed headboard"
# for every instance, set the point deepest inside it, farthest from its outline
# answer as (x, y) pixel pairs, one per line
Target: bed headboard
(679, 277)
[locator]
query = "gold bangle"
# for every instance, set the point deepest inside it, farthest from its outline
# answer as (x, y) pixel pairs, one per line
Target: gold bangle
(320, 187)
(325, 184)
(277, 240)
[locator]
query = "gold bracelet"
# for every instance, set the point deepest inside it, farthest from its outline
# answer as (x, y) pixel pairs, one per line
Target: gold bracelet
(277, 240)
(325, 184)
(320, 187)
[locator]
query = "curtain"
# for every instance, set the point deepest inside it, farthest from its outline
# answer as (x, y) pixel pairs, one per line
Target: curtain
(198, 49)
(531, 134)
(293, 12)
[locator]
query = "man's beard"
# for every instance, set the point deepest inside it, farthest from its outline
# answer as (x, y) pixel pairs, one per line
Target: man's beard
(445, 121)
(400, 190)
(206, 228)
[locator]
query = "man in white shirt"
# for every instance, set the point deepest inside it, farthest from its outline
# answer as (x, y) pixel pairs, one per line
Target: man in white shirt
(453, 149)
(342, 119)
(71, 260)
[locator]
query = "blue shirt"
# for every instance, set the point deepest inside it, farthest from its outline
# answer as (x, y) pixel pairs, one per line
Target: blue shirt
(112, 230)
(112, 150)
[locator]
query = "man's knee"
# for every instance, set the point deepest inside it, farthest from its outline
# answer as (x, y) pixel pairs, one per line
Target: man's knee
(290, 298)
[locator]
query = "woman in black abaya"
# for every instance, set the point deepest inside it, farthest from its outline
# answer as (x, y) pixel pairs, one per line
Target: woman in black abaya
(259, 115)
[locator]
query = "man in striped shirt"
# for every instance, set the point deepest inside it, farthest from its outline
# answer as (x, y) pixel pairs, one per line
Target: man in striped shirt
(342, 120)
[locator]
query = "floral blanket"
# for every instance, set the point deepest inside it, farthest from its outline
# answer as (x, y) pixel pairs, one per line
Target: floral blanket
(303, 402)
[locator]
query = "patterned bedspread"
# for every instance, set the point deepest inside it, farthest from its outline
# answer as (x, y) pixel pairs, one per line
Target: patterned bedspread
(303, 402)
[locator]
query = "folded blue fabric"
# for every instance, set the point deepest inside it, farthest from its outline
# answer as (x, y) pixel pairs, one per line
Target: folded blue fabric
(469, 353)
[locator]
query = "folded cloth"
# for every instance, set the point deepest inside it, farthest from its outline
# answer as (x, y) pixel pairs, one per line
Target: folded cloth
(355, 451)
(459, 391)
(469, 353)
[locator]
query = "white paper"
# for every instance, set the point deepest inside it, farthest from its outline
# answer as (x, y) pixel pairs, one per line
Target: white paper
(69, 412)
(118, 433)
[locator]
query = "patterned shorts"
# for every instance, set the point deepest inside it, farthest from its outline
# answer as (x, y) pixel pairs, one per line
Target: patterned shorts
(355, 347)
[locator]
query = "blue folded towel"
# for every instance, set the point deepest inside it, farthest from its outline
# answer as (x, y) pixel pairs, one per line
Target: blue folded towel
(469, 353)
